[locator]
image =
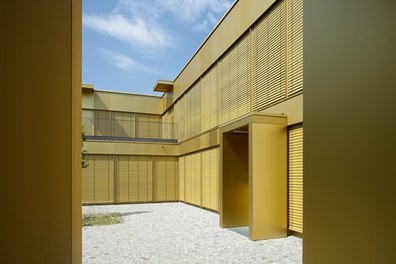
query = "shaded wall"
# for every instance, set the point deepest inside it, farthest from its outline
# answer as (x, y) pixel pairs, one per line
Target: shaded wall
(349, 132)
(41, 164)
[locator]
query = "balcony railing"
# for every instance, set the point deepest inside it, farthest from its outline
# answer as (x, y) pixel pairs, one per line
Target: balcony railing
(129, 130)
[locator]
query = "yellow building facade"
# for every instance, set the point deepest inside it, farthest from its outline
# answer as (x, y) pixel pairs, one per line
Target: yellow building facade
(226, 135)
(349, 125)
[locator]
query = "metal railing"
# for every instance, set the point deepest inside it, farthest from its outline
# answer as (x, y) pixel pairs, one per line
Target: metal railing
(129, 130)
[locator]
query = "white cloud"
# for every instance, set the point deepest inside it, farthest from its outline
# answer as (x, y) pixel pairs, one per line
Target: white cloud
(140, 23)
(135, 31)
(126, 63)
(194, 11)
(201, 14)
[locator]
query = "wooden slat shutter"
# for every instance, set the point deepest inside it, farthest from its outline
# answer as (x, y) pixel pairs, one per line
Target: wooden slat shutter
(296, 178)
(197, 110)
(187, 171)
(189, 114)
(212, 86)
(88, 181)
(103, 176)
(224, 91)
(171, 176)
(160, 179)
(269, 58)
(206, 179)
(294, 46)
(121, 179)
(181, 179)
(234, 90)
(180, 116)
(133, 181)
(215, 179)
(198, 181)
(144, 178)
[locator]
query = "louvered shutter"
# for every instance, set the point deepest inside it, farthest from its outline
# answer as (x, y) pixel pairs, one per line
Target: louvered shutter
(103, 176)
(133, 181)
(88, 181)
(294, 46)
(181, 179)
(212, 85)
(198, 182)
(145, 178)
(121, 179)
(171, 174)
(296, 178)
(268, 58)
(206, 179)
(160, 179)
(197, 110)
(215, 178)
(234, 84)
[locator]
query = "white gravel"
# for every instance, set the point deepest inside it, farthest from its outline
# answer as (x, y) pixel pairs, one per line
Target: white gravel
(177, 233)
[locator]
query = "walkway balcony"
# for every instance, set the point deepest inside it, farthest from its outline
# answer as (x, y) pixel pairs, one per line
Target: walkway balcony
(113, 129)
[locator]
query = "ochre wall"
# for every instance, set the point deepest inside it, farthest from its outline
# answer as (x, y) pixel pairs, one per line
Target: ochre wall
(349, 132)
(124, 102)
(40, 181)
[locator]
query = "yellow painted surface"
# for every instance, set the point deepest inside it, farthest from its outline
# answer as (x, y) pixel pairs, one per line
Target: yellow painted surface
(206, 140)
(234, 211)
(125, 102)
(254, 175)
(292, 108)
(132, 148)
(88, 100)
(267, 181)
(349, 132)
(76, 76)
(41, 171)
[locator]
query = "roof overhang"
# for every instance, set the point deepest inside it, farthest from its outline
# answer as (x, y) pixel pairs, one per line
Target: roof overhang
(163, 86)
(87, 88)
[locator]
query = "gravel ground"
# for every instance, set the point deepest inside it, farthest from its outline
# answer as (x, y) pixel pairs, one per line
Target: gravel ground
(177, 233)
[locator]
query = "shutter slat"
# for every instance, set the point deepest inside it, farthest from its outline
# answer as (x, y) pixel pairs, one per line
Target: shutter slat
(295, 187)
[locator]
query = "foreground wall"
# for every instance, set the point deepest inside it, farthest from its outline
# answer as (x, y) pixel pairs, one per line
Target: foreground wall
(349, 131)
(40, 183)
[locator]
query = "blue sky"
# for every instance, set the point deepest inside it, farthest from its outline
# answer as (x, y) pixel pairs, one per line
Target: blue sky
(130, 44)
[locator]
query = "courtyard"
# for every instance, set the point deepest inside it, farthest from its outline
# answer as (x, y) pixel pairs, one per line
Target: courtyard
(177, 233)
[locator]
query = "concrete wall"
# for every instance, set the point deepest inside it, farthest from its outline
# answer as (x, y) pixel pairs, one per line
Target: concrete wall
(40, 183)
(349, 131)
